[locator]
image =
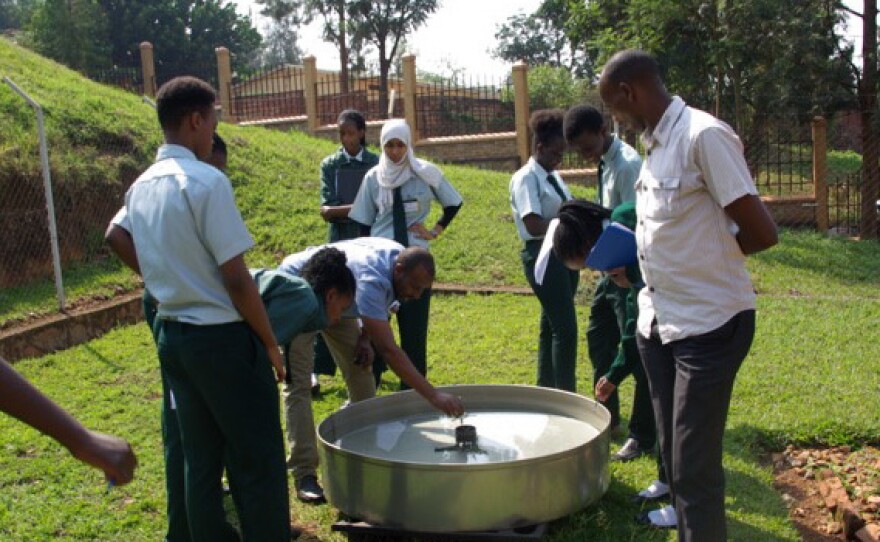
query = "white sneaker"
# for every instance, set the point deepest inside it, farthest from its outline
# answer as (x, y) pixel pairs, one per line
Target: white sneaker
(657, 490)
(663, 517)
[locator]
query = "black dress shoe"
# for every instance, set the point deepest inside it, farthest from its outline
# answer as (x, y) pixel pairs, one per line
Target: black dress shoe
(309, 491)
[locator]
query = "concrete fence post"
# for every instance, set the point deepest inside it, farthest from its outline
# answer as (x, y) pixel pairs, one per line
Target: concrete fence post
(148, 69)
(409, 94)
(521, 110)
(310, 80)
(820, 172)
(224, 82)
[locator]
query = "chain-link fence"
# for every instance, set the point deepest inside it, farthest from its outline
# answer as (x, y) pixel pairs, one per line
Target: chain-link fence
(42, 272)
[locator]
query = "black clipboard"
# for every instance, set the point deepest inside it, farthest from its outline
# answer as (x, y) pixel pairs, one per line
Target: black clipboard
(348, 182)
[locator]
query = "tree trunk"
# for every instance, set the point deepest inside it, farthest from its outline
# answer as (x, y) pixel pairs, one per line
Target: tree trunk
(867, 103)
(384, 68)
(343, 47)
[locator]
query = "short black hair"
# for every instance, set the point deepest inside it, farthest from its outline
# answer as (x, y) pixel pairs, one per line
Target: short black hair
(327, 269)
(218, 145)
(355, 117)
(580, 225)
(581, 118)
(630, 66)
(546, 126)
(180, 97)
(412, 257)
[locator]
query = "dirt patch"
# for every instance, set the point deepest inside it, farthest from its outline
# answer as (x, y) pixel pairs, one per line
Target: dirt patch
(831, 493)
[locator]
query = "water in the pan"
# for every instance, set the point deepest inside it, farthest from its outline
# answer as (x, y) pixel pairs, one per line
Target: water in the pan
(501, 436)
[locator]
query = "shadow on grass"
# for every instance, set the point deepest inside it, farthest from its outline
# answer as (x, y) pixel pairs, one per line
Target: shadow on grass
(101, 357)
(848, 262)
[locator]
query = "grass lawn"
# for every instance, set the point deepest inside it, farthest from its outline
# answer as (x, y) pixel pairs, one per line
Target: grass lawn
(810, 378)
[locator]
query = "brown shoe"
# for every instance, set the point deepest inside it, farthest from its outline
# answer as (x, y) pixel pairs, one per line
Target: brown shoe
(309, 491)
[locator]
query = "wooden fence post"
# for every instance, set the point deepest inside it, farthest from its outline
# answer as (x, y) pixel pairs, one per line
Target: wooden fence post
(521, 110)
(224, 81)
(148, 69)
(409, 94)
(820, 172)
(310, 80)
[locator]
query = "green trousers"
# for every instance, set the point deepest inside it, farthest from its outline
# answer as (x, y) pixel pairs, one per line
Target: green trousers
(412, 325)
(557, 342)
(228, 412)
(607, 319)
(175, 509)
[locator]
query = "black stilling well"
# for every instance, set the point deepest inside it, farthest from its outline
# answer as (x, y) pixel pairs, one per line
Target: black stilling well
(465, 441)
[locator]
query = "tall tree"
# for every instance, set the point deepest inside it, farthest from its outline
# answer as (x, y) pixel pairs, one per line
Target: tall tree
(337, 25)
(72, 32)
(280, 44)
(384, 24)
(16, 14)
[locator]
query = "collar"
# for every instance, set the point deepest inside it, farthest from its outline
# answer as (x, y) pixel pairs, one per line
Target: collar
(660, 134)
(613, 150)
(359, 156)
(537, 168)
(169, 150)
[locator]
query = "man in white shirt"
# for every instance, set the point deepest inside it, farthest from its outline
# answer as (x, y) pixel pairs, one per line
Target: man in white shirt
(699, 215)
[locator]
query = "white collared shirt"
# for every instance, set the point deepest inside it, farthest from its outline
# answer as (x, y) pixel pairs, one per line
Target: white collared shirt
(694, 270)
(531, 193)
(182, 217)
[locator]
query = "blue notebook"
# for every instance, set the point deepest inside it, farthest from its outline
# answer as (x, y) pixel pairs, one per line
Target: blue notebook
(616, 247)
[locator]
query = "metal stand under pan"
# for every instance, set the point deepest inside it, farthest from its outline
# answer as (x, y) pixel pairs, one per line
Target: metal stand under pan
(360, 531)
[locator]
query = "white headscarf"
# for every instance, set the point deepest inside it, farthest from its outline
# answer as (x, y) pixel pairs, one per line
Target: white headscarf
(392, 175)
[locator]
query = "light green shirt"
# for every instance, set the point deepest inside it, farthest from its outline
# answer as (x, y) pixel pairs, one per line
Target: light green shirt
(532, 193)
(417, 197)
(619, 175)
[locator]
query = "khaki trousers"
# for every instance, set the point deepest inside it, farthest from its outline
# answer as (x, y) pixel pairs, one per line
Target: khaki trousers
(341, 340)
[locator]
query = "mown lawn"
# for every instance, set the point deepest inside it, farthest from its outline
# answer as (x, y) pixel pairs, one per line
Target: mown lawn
(810, 378)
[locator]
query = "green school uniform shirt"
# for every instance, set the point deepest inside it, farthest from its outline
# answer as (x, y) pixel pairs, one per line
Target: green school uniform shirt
(344, 228)
(291, 304)
(628, 353)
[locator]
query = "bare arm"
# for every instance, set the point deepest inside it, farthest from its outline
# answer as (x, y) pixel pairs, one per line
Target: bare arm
(244, 294)
(383, 340)
(334, 212)
(122, 245)
(20, 399)
(757, 231)
(535, 224)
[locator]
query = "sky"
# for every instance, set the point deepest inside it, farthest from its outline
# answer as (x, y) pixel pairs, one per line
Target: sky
(461, 32)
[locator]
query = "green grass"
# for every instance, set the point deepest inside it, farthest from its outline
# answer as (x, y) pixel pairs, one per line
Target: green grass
(811, 378)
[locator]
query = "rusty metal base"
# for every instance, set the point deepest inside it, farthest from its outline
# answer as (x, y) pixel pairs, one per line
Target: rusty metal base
(360, 531)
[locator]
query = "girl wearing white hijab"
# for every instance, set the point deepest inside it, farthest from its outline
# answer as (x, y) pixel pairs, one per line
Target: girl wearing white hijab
(393, 202)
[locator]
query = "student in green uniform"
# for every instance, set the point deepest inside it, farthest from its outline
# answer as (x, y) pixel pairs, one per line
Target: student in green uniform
(215, 343)
(393, 202)
(118, 236)
(618, 168)
(341, 175)
(579, 224)
(536, 192)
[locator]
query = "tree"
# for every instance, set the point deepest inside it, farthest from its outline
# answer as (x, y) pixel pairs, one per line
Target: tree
(384, 24)
(184, 32)
(15, 14)
(71, 32)
(554, 86)
(337, 24)
(280, 44)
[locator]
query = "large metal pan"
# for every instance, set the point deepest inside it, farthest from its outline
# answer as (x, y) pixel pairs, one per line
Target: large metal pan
(393, 461)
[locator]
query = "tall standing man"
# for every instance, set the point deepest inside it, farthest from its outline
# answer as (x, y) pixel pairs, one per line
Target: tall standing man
(699, 215)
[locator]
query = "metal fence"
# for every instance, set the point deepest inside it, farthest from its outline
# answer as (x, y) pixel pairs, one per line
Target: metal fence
(130, 79)
(269, 93)
(479, 106)
(363, 93)
(55, 204)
